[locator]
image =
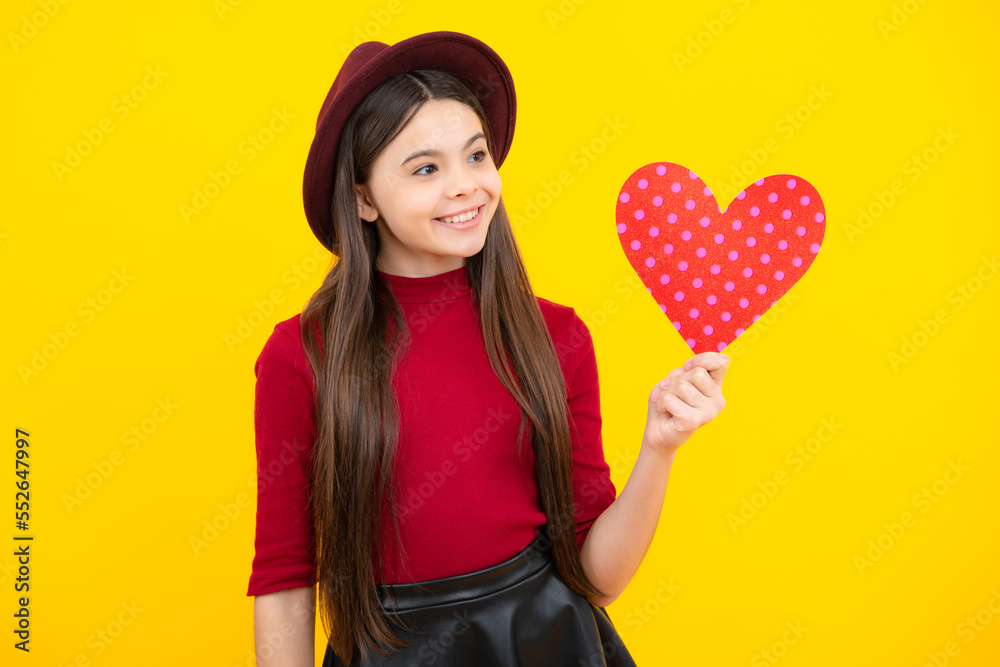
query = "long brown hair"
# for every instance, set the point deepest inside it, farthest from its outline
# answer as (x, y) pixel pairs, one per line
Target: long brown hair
(356, 412)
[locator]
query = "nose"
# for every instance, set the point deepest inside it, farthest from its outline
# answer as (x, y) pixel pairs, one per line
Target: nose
(461, 183)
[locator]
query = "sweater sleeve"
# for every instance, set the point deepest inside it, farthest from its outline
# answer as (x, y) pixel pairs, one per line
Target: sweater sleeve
(593, 489)
(284, 431)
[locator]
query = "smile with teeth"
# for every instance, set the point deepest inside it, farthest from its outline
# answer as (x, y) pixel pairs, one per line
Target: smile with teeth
(465, 217)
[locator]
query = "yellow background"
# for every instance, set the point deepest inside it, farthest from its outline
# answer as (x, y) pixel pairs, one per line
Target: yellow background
(577, 66)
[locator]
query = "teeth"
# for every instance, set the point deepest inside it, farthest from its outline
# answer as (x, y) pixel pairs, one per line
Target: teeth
(462, 218)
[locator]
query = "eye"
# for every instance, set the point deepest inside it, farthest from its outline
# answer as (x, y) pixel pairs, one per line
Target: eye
(421, 172)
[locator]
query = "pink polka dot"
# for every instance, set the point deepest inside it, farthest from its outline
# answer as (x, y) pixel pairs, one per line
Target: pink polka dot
(791, 183)
(761, 289)
(779, 275)
(804, 201)
(676, 187)
(765, 258)
(797, 261)
(643, 183)
(726, 316)
(708, 330)
(686, 235)
(657, 200)
(636, 245)
(677, 325)
(701, 252)
(672, 218)
(668, 249)
(814, 248)
(782, 245)
(730, 286)
(756, 317)
(624, 197)
(733, 255)
(661, 170)
(786, 214)
(744, 303)
(689, 204)
(737, 225)
(715, 269)
(621, 227)
(705, 222)
(769, 228)
(639, 214)
(692, 175)
(707, 191)
(650, 262)
(739, 332)
(663, 308)
(721, 347)
(759, 183)
(711, 299)
(801, 231)
(819, 217)
(664, 279)
(679, 296)
(741, 194)
(696, 282)
(683, 266)
(747, 272)
(719, 238)
(751, 241)
(773, 197)
(654, 231)
(755, 211)
(693, 312)
(691, 342)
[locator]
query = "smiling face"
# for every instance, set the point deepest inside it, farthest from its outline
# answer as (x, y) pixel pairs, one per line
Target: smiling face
(438, 166)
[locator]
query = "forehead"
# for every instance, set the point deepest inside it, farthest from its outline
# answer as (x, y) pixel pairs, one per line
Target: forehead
(437, 124)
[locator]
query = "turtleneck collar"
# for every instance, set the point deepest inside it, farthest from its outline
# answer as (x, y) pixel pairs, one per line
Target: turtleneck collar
(446, 286)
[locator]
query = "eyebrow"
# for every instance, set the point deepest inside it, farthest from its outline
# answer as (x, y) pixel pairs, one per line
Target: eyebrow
(435, 152)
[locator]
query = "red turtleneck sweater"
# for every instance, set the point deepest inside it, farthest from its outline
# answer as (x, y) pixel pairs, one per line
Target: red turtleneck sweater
(465, 502)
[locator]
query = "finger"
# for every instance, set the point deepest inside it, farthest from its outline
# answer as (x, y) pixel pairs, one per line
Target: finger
(700, 377)
(691, 394)
(709, 360)
(659, 403)
(715, 363)
(661, 387)
(681, 413)
(670, 378)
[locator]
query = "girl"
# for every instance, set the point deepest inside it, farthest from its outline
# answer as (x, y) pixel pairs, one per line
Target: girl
(390, 472)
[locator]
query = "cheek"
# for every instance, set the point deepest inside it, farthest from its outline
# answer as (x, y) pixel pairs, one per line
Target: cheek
(411, 203)
(493, 184)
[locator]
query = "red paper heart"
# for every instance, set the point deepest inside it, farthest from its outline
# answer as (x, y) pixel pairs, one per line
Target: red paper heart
(715, 273)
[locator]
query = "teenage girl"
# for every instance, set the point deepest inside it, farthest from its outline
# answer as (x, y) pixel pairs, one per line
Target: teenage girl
(428, 431)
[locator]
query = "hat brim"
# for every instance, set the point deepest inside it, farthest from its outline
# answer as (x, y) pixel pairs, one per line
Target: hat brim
(470, 60)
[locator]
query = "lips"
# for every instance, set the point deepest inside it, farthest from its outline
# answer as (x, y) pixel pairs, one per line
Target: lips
(465, 212)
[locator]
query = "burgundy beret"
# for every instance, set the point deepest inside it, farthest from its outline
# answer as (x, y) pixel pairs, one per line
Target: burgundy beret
(372, 63)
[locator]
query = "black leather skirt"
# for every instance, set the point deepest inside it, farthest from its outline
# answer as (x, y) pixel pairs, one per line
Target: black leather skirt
(518, 612)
